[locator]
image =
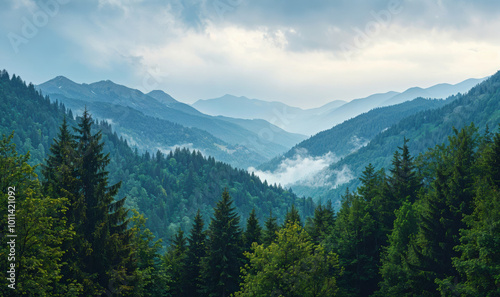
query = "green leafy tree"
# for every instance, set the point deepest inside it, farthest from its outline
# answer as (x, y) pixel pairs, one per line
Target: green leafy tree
(150, 277)
(292, 266)
(40, 230)
(221, 266)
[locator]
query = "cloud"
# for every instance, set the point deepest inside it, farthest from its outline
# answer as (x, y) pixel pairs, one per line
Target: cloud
(358, 143)
(301, 169)
(342, 176)
(305, 53)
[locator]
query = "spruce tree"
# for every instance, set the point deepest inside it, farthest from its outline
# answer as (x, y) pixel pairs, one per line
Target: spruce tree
(221, 266)
(322, 223)
(253, 231)
(105, 224)
(403, 181)
(492, 161)
(176, 260)
(396, 260)
(478, 262)
(354, 241)
(271, 227)
(292, 216)
(62, 181)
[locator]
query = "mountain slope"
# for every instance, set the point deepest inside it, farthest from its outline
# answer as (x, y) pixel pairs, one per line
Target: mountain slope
(437, 91)
(243, 107)
(355, 133)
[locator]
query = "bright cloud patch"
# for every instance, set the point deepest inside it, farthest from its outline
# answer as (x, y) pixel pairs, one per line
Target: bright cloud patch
(303, 169)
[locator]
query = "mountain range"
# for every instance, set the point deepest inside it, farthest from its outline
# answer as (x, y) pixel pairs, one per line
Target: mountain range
(241, 143)
(250, 133)
(312, 121)
(335, 157)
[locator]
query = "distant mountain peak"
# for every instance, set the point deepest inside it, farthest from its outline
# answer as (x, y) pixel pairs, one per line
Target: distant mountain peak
(162, 97)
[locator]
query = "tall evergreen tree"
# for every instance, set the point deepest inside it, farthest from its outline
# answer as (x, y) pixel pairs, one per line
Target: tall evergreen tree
(61, 181)
(195, 253)
(442, 212)
(492, 161)
(105, 224)
(403, 181)
(354, 242)
(271, 227)
(292, 216)
(398, 277)
(221, 266)
(322, 223)
(253, 231)
(175, 259)
(478, 262)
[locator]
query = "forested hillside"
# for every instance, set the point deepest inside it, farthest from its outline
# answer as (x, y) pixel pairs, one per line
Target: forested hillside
(481, 105)
(247, 146)
(168, 188)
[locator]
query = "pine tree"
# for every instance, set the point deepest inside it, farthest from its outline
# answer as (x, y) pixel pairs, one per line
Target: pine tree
(195, 253)
(221, 266)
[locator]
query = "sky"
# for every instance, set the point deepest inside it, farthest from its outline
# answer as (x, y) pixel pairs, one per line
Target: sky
(302, 53)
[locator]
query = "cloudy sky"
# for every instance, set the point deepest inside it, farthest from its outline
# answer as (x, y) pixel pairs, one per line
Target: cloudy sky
(303, 53)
